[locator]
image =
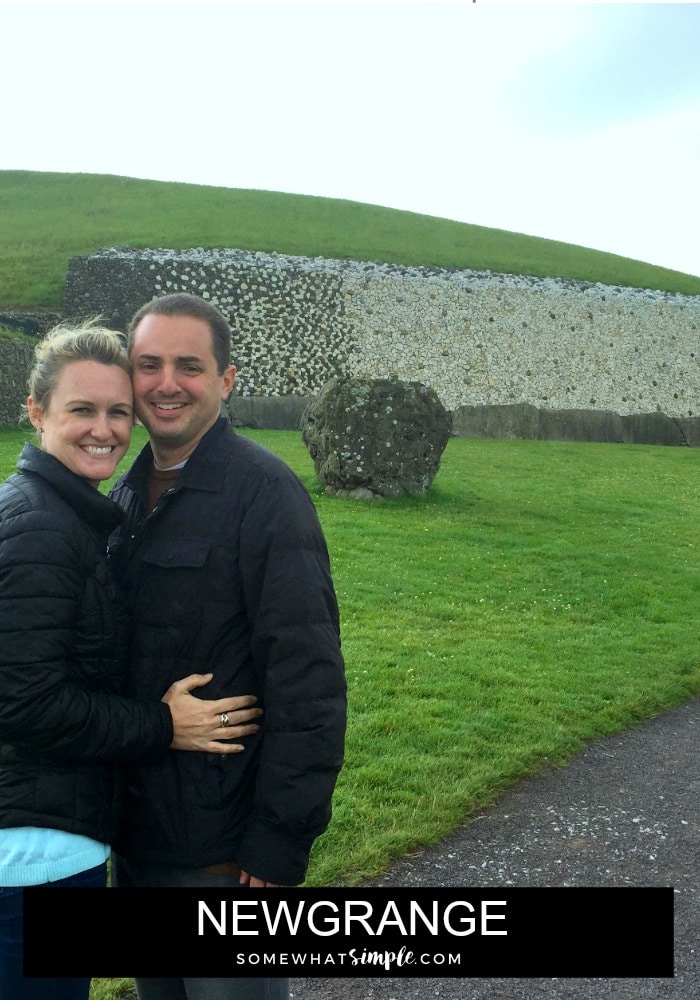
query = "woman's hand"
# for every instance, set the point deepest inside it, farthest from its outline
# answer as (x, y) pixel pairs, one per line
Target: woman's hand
(197, 723)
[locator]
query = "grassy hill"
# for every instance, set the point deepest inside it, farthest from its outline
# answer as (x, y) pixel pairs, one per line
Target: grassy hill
(48, 217)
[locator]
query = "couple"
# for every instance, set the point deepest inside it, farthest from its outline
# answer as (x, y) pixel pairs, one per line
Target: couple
(182, 699)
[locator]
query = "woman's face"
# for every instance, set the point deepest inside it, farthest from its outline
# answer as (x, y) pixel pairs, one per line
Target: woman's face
(87, 422)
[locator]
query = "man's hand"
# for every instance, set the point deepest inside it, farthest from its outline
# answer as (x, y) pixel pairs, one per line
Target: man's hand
(197, 723)
(256, 883)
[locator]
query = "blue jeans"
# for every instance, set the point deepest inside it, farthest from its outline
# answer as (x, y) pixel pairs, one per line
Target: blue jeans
(13, 984)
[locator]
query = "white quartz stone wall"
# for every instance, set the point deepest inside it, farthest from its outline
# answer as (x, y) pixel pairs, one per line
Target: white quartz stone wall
(474, 337)
(499, 339)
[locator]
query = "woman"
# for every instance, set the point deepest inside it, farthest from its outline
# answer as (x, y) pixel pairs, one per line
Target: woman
(64, 726)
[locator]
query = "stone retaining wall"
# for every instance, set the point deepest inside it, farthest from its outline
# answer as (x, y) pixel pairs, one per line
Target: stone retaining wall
(489, 344)
(477, 338)
(16, 359)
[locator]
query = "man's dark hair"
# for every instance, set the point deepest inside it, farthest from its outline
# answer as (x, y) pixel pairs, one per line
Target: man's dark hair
(183, 304)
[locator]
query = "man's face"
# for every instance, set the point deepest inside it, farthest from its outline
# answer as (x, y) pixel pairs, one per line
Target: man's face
(177, 389)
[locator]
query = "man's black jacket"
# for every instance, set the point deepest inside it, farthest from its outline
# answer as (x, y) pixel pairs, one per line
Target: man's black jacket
(230, 574)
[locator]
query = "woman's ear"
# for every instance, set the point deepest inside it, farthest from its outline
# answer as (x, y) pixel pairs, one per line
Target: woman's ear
(36, 414)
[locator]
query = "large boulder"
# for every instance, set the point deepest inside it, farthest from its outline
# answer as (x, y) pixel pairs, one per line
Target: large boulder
(375, 437)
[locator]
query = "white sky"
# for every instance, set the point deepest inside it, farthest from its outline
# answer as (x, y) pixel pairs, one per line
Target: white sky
(575, 121)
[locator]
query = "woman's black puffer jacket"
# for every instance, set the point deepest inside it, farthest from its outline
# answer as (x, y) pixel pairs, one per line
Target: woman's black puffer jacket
(64, 726)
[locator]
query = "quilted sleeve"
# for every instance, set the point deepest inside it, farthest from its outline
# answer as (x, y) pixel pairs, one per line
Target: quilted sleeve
(44, 705)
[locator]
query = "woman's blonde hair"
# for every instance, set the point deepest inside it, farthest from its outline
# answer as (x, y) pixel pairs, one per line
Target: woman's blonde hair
(88, 341)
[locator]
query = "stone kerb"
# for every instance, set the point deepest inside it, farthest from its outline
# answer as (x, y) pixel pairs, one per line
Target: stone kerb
(522, 420)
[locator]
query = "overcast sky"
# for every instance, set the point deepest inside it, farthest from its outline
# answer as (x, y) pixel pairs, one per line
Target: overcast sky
(575, 121)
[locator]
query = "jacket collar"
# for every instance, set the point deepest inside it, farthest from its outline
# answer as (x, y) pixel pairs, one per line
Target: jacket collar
(89, 504)
(205, 468)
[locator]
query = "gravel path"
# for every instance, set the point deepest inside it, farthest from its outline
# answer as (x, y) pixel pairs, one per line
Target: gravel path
(624, 812)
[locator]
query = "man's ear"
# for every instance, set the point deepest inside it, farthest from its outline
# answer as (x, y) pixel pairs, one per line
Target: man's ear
(229, 377)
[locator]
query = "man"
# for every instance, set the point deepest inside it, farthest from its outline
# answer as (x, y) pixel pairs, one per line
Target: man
(226, 571)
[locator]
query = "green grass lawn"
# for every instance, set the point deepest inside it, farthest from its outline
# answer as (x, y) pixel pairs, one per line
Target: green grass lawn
(540, 595)
(49, 217)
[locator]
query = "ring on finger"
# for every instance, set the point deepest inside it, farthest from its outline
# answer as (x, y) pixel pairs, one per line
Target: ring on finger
(224, 719)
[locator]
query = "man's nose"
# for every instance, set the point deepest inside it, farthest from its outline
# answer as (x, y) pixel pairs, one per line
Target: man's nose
(168, 383)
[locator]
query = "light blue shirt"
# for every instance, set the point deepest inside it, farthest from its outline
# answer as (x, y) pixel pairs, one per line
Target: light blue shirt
(31, 855)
